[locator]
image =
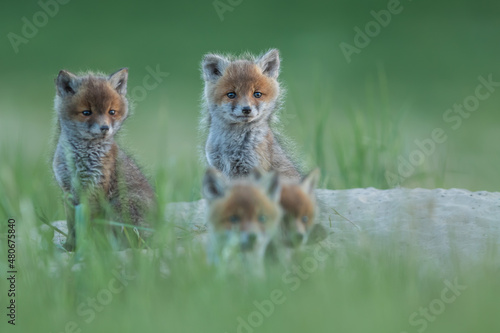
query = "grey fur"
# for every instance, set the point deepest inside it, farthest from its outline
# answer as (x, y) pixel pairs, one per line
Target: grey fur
(270, 63)
(213, 66)
(119, 81)
(91, 165)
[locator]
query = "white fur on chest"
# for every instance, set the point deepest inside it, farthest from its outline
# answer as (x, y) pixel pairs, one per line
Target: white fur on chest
(234, 146)
(82, 162)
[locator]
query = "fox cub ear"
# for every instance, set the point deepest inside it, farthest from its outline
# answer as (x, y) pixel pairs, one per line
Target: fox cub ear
(214, 184)
(269, 63)
(119, 81)
(213, 66)
(310, 181)
(66, 83)
(272, 185)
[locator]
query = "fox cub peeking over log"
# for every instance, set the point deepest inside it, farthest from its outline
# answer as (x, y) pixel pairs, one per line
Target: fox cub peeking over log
(241, 98)
(87, 162)
(243, 215)
(298, 201)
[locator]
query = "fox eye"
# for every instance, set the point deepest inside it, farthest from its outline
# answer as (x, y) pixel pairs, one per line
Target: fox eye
(305, 219)
(231, 95)
(257, 94)
(86, 112)
(234, 219)
(262, 218)
(112, 112)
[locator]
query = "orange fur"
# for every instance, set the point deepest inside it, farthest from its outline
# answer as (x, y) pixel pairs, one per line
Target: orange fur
(244, 78)
(242, 97)
(99, 97)
(297, 203)
(87, 161)
(247, 203)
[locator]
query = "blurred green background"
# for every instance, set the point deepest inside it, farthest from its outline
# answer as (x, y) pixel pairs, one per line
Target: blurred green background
(398, 87)
(354, 120)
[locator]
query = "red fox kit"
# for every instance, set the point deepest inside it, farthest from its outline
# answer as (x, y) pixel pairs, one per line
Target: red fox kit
(243, 213)
(241, 98)
(298, 203)
(90, 110)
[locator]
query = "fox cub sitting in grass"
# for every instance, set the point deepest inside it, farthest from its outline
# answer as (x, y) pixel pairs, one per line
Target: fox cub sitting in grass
(243, 216)
(88, 164)
(241, 98)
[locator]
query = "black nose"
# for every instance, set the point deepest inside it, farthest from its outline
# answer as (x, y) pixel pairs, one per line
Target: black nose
(104, 128)
(248, 242)
(246, 110)
(297, 239)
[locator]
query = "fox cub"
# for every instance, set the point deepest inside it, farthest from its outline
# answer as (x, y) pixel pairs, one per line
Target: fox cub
(241, 98)
(87, 162)
(299, 209)
(243, 214)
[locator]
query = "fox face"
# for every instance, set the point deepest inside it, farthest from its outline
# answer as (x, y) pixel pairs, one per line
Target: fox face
(91, 106)
(298, 203)
(241, 91)
(245, 209)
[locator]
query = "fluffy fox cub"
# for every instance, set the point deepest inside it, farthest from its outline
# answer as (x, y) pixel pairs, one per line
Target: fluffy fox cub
(299, 208)
(243, 215)
(241, 98)
(88, 163)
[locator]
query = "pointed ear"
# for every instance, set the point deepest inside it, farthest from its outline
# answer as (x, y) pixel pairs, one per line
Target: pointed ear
(272, 185)
(66, 83)
(119, 81)
(214, 184)
(269, 63)
(308, 184)
(213, 66)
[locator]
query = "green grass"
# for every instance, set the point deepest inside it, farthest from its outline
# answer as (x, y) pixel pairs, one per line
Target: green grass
(358, 288)
(373, 286)
(352, 120)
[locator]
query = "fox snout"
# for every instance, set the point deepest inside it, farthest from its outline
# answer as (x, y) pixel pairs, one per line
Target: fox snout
(249, 234)
(245, 111)
(295, 233)
(297, 238)
(101, 129)
(248, 241)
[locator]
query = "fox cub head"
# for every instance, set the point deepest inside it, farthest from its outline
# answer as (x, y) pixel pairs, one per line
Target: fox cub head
(242, 90)
(246, 207)
(298, 203)
(91, 106)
